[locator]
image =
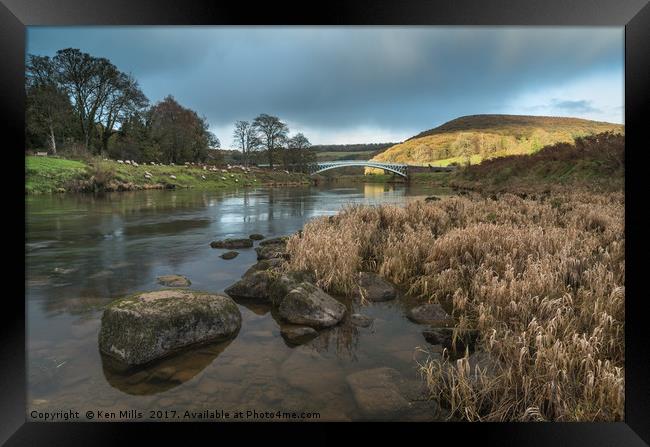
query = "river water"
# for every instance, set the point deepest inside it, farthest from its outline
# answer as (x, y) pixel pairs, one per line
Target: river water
(83, 251)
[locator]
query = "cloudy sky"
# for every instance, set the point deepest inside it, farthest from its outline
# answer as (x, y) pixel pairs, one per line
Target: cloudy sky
(362, 84)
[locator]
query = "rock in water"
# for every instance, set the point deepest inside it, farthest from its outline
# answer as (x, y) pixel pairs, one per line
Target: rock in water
(430, 313)
(144, 327)
(297, 335)
(360, 320)
(308, 305)
(375, 288)
(256, 236)
(376, 392)
(275, 240)
(232, 243)
(174, 281)
(254, 285)
(229, 255)
(270, 252)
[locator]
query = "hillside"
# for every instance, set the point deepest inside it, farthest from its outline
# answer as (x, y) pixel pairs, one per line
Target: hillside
(475, 138)
(595, 161)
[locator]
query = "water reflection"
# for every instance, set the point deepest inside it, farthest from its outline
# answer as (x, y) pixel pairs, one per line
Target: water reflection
(164, 374)
(83, 251)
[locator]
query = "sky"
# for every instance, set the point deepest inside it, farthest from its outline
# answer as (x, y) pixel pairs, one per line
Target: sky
(344, 85)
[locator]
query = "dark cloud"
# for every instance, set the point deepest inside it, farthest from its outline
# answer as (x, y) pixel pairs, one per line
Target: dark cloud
(336, 79)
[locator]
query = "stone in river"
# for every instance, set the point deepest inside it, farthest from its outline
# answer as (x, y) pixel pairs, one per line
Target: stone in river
(310, 306)
(232, 243)
(297, 335)
(377, 394)
(174, 281)
(229, 255)
(256, 236)
(430, 313)
(375, 288)
(146, 326)
(361, 320)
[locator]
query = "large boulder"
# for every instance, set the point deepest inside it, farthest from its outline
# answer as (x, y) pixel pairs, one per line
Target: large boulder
(232, 243)
(377, 394)
(143, 327)
(373, 287)
(308, 305)
(430, 313)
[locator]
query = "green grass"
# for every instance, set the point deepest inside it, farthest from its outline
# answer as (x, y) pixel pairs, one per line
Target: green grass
(46, 174)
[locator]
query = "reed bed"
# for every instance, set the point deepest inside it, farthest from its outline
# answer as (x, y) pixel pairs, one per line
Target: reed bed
(540, 278)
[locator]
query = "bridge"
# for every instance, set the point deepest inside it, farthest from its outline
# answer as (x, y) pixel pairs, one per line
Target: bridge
(321, 166)
(396, 168)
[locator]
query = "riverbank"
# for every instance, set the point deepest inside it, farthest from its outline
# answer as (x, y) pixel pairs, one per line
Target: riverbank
(58, 175)
(535, 287)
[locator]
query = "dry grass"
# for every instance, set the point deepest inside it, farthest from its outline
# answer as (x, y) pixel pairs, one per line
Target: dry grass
(541, 278)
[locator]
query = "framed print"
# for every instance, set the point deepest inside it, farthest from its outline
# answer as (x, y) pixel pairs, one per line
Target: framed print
(404, 219)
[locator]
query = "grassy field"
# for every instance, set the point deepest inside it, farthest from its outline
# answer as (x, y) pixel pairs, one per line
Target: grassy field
(48, 174)
(479, 137)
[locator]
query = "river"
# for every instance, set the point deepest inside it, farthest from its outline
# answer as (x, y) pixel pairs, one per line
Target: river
(83, 251)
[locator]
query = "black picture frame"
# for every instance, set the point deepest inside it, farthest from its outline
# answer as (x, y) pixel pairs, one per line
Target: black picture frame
(634, 15)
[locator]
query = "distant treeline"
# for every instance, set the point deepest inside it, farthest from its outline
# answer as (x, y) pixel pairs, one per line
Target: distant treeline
(351, 147)
(82, 105)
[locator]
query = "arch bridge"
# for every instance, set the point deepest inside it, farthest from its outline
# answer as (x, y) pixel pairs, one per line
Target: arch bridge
(397, 168)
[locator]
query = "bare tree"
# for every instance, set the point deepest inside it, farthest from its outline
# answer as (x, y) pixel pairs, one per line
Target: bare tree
(99, 91)
(123, 100)
(272, 134)
(245, 138)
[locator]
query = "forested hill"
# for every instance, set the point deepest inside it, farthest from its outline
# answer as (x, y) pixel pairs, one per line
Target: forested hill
(472, 138)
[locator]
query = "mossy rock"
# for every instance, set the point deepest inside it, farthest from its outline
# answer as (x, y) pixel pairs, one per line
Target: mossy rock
(146, 326)
(256, 236)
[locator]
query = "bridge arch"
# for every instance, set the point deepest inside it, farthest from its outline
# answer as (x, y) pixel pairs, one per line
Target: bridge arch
(395, 168)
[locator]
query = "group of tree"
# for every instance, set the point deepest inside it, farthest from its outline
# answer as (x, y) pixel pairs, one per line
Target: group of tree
(268, 137)
(76, 101)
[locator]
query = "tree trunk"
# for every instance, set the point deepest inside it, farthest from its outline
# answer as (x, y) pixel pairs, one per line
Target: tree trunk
(52, 141)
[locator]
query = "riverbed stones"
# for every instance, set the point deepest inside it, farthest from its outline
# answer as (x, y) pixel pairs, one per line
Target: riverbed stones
(144, 327)
(308, 305)
(375, 288)
(377, 394)
(430, 313)
(256, 236)
(173, 281)
(229, 255)
(297, 335)
(232, 243)
(361, 320)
